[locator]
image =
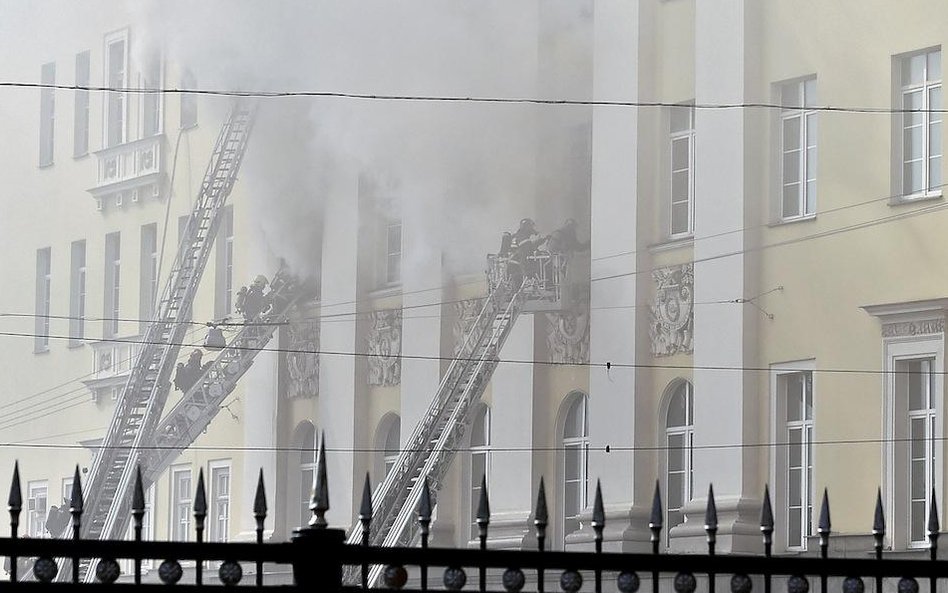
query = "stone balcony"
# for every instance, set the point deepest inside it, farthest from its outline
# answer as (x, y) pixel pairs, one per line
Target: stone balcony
(112, 362)
(129, 173)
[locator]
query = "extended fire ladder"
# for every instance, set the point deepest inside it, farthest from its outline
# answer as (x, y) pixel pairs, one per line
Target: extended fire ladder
(136, 420)
(429, 450)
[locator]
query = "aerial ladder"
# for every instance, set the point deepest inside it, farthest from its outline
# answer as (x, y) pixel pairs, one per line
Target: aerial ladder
(428, 452)
(139, 434)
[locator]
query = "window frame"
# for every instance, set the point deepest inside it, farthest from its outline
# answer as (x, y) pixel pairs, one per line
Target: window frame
(896, 351)
(580, 401)
(392, 259)
(36, 524)
(780, 426)
(478, 448)
(803, 109)
(47, 127)
(115, 99)
(78, 278)
(687, 433)
(224, 276)
(688, 136)
(176, 521)
(218, 527)
(148, 273)
(83, 74)
(44, 297)
(113, 284)
(902, 63)
(188, 107)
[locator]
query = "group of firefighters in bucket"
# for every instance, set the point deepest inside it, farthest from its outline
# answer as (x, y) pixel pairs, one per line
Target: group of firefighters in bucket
(250, 302)
(519, 250)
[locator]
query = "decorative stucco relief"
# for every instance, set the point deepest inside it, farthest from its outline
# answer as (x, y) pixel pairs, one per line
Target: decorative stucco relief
(385, 348)
(913, 328)
(465, 312)
(567, 337)
(302, 359)
(671, 327)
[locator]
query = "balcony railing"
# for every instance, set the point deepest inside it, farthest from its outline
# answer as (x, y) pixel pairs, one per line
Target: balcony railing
(129, 172)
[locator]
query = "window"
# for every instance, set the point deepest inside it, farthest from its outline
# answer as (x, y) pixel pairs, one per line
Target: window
(575, 462)
(220, 501)
(795, 389)
(116, 77)
(918, 387)
(37, 504)
(47, 113)
(151, 102)
(80, 139)
(682, 183)
(225, 265)
(393, 253)
(798, 148)
(920, 76)
(480, 461)
(113, 277)
(43, 296)
(148, 284)
(189, 112)
(307, 469)
(392, 445)
(679, 443)
(77, 292)
(180, 504)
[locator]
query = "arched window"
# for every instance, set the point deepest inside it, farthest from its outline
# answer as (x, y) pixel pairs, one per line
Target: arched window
(575, 462)
(305, 441)
(679, 443)
(480, 460)
(388, 443)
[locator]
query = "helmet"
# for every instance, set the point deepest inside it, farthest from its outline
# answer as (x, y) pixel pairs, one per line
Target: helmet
(527, 222)
(196, 353)
(260, 280)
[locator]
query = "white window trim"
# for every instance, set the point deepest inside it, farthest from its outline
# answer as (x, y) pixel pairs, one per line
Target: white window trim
(778, 429)
(806, 202)
(688, 431)
(926, 86)
(475, 481)
(32, 487)
(897, 350)
(143, 83)
(120, 35)
(213, 466)
(568, 442)
(690, 136)
(172, 526)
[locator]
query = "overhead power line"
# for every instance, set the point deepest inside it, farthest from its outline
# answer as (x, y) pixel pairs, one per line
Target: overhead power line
(461, 99)
(605, 365)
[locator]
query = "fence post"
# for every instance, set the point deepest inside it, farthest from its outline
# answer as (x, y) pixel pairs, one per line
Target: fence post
(317, 561)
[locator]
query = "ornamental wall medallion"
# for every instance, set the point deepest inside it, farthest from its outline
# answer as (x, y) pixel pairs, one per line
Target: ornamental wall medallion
(671, 327)
(385, 348)
(913, 328)
(465, 312)
(302, 359)
(567, 337)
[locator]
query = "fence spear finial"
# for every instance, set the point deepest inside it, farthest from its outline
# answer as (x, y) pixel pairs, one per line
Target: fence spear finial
(767, 522)
(320, 500)
(483, 505)
(824, 525)
(656, 519)
(711, 519)
(878, 520)
(260, 500)
(200, 501)
(75, 497)
(933, 524)
(138, 492)
(365, 509)
(15, 501)
(424, 505)
(599, 512)
(540, 515)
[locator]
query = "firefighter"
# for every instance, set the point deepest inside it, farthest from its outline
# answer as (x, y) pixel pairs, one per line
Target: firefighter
(564, 240)
(186, 375)
(525, 232)
(252, 301)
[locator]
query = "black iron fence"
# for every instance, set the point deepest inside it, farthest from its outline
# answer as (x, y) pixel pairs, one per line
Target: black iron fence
(318, 557)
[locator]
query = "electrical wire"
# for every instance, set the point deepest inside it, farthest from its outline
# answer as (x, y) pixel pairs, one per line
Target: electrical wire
(464, 99)
(423, 357)
(490, 449)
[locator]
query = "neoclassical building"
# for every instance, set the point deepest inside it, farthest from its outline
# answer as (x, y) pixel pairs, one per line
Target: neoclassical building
(760, 302)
